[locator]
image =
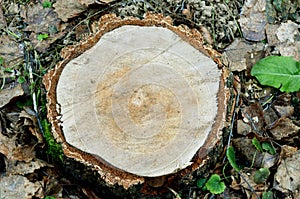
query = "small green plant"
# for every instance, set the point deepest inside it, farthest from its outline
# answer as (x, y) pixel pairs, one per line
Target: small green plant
(268, 147)
(1, 61)
(278, 71)
(267, 195)
(265, 146)
(261, 175)
(47, 4)
(257, 145)
(201, 183)
(231, 158)
(214, 184)
(49, 197)
(42, 37)
(54, 150)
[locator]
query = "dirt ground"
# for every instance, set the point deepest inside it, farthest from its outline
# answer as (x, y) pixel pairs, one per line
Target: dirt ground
(264, 131)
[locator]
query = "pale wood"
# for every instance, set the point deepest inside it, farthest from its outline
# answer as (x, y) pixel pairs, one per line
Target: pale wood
(141, 99)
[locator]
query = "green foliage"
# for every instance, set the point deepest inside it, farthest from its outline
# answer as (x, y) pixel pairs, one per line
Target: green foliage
(201, 183)
(42, 37)
(214, 184)
(261, 175)
(47, 4)
(231, 158)
(279, 72)
(267, 195)
(54, 150)
(257, 145)
(21, 80)
(1, 61)
(49, 197)
(268, 147)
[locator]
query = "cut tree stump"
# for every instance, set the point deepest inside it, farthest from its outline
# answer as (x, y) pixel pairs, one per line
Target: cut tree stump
(141, 99)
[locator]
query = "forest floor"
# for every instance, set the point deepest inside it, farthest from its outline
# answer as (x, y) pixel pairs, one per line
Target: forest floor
(265, 127)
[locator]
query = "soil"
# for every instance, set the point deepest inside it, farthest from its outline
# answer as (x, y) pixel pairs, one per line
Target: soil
(264, 131)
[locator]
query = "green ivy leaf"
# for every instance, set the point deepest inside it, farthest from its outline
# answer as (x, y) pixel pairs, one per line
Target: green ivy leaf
(201, 182)
(279, 72)
(1, 61)
(257, 145)
(268, 147)
(267, 195)
(261, 175)
(47, 4)
(231, 158)
(41, 37)
(21, 80)
(214, 184)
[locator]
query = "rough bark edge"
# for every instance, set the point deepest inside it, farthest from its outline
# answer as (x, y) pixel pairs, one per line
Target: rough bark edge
(108, 23)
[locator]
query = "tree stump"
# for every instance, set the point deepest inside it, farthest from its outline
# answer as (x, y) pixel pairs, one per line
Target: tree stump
(139, 100)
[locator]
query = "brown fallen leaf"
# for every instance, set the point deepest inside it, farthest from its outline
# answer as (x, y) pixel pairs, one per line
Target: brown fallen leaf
(16, 186)
(8, 94)
(253, 115)
(247, 150)
(287, 151)
(239, 53)
(13, 152)
(284, 129)
(87, 2)
(253, 20)
(287, 175)
(68, 9)
(284, 111)
(2, 18)
(40, 19)
(22, 168)
(10, 50)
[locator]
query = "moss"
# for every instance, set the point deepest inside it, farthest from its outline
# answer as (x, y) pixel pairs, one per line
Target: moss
(54, 150)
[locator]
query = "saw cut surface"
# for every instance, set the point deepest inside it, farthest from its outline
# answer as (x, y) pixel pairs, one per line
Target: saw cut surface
(142, 99)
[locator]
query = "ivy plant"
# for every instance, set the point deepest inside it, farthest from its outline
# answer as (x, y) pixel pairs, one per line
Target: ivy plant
(215, 185)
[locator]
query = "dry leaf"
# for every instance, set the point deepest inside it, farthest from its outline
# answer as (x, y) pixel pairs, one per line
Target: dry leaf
(14, 152)
(288, 172)
(87, 2)
(68, 9)
(2, 18)
(16, 186)
(39, 19)
(22, 168)
(284, 129)
(239, 53)
(287, 151)
(8, 94)
(253, 20)
(284, 111)
(10, 50)
(253, 115)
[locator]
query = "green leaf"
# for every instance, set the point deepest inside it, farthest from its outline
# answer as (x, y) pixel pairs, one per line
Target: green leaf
(41, 37)
(256, 143)
(231, 158)
(201, 182)
(261, 175)
(214, 184)
(21, 80)
(268, 147)
(279, 72)
(267, 195)
(1, 61)
(49, 197)
(47, 4)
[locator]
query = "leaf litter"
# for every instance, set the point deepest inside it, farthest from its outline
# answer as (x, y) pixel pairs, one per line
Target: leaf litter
(264, 113)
